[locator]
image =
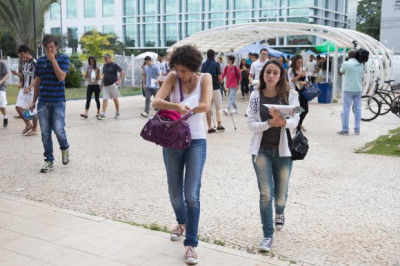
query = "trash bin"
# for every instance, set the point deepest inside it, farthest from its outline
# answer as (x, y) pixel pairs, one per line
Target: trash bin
(326, 92)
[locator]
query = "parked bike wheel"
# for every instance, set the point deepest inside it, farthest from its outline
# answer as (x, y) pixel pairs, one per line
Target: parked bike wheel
(370, 108)
(386, 103)
(396, 106)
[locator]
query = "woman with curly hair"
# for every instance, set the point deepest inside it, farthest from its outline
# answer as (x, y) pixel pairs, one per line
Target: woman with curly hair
(184, 167)
(269, 146)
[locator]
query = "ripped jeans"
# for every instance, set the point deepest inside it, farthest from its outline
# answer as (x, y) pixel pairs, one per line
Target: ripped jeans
(273, 173)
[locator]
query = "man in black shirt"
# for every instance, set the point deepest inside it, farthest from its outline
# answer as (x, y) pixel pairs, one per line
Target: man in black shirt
(110, 84)
(212, 67)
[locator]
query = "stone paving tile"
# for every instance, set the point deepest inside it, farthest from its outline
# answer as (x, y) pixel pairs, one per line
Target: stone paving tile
(7, 235)
(100, 229)
(6, 255)
(20, 260)
(163, 260)
(9, 220)
(221, 258)
(39, 230)
(29, 211)
(103, 247)
(77, 258)
(125, 236)
(77, 240)
(133, 255)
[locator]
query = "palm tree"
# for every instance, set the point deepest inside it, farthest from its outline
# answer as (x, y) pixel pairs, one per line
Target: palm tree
(17, 16)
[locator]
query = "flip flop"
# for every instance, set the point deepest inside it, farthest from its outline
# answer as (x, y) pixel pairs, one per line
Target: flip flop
(84, 116)
(26, 130)
(31, 133)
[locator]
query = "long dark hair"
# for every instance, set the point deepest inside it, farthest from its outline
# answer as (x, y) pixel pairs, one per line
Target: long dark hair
(282, 86)
(294, 62)
(94, 59)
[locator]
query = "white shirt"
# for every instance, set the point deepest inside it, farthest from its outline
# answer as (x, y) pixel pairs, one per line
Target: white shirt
(256, 68)
(311, 67)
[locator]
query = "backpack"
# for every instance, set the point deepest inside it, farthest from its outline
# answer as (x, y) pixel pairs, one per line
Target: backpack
(237, 74)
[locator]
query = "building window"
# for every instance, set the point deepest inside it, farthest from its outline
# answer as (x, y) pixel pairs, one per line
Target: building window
(171, 18)
(193, 5)
(216, 24)
(108, 8)
(55, 11)
(170, 7)
(129, 7)
(240, 4)
(300, 40)
(55, 31)
(90, 8)
(150, 7)
(72, 9)
(129, 34)
(72, 35)
(301, 3)
(217, 5)
(192, 27)
(107, 29)
(89, 28)
(269, 4)
(149, 35)
(170, 34)
(299, 12)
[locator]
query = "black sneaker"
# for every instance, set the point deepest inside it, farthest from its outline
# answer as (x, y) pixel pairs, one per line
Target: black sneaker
(212, 130)
(5, 122)
(221, 128)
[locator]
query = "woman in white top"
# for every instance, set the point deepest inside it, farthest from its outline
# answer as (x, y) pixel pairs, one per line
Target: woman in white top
(269, 146)
(184, 167)
(92, 77)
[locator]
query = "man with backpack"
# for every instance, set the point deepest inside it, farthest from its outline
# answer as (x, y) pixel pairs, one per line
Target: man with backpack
(212, 67)
(232, 74)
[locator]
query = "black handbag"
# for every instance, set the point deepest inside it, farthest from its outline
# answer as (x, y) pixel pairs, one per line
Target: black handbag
(298, 145)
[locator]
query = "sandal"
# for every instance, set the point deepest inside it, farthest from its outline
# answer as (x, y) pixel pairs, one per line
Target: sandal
(26, 130)
(30, 133)
(84, 116)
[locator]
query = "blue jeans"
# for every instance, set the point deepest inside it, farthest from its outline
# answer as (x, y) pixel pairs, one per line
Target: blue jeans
(52, 117)
(232, 99)
(273, 173)
(184, 170)
(350, 97)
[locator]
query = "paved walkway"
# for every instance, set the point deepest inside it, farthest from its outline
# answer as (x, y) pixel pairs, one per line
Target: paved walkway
(342, 207)
(33, 233)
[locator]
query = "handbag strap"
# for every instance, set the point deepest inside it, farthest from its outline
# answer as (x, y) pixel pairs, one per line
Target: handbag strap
(180, 88)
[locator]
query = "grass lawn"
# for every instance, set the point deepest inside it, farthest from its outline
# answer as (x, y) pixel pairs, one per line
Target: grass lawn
(384, 145)
(72, 94)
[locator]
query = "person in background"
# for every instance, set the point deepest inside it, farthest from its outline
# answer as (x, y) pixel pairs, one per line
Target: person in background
(152, 75)
(352, 71)
(50, 72)
(297, 81)
(282, 60)
(248, 60)
(244, 82)
(242, 63)
(256, 67)
(164, 68)
(25, 95)
(312, 68)
(92, 76)
(109, 86)
(3, 96)
(232, 73)
(222, 65)
(269, 146)
(185, 167)
(212, 67)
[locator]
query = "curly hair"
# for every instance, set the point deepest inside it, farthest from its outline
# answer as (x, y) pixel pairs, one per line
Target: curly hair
(187, 56)
(282, 86)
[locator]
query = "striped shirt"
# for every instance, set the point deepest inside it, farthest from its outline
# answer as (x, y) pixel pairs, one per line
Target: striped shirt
(28, 72)
(50, 88)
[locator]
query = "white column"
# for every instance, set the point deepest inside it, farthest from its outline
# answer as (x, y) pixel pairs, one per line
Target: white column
(335, 73)
(133, 70)
(327, 64)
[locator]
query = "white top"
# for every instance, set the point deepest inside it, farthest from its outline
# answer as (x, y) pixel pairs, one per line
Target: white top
(257, 126)
(163, 67)
(311, 67)
(196, 122)
(256, 68)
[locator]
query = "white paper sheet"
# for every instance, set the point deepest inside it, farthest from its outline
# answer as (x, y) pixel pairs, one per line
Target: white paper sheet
(286, 110)
(192, 101)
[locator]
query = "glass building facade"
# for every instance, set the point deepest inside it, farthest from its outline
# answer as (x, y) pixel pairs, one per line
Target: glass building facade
(160, 23)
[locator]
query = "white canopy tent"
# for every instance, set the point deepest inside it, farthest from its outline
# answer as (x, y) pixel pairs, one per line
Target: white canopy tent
(232, 38)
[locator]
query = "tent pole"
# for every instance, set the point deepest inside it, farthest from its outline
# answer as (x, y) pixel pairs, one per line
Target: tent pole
(335, 73)
(327, 64)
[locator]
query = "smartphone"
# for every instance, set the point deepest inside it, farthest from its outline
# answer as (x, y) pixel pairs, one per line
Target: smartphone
(299, 110)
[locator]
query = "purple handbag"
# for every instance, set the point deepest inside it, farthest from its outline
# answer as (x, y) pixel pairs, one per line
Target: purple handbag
(166, 132)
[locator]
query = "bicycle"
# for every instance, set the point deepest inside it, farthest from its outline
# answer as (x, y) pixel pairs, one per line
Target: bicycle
(379, 103)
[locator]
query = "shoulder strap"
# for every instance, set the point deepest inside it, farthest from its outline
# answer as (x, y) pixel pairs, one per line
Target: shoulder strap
(180, 87)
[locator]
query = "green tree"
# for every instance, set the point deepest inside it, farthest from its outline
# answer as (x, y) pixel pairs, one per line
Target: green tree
(17, 17)
(74, 78)
(94, 43)
(369, 17)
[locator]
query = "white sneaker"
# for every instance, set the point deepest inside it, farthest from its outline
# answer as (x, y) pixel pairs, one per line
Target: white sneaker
(265, 244)
(234, 111)
(144, 114)
(190, 256)
(226, 111)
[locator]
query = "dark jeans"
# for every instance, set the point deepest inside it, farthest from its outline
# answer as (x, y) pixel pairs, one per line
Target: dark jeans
(304, 104)
(89, 93)
(244, 86)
